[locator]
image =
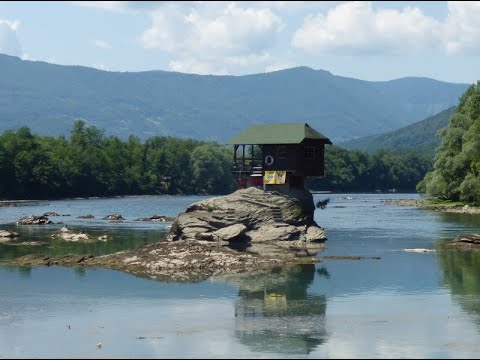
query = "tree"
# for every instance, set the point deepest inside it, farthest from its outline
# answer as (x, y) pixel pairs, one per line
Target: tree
(457, 161)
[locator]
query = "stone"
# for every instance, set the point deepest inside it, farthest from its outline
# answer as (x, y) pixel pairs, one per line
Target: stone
(245, 231)
(34, 220)
(253, 216)
(114, 217)
(156, 218)
(465, 242)
(229, 233)
(8, 234)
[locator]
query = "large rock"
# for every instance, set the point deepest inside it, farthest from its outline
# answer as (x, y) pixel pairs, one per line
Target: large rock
(114, 217)
(246, 231)
(8, 234)
(34, 220)
(156, 218)
(266, 222)
(465, 242)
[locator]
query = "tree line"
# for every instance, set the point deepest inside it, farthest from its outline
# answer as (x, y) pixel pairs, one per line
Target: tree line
(89, 163)
(356, 171)
(456, 171)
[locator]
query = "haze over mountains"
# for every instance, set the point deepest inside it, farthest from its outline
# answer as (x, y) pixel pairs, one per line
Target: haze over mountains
(421, 136)
(48, 98)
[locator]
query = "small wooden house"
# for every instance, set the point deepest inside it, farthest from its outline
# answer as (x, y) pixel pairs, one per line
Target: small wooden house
(278, 156)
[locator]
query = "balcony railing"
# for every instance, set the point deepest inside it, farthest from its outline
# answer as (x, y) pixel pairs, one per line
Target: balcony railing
(247, 167)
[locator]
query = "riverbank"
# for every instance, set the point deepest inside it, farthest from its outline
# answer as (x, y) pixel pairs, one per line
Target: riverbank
(10, 203)
(450, 207)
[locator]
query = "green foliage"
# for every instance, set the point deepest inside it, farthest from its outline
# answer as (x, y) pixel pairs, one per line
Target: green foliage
(421, 136)
(456, 173)
(88, 163)
(352, 170)
(91, 164)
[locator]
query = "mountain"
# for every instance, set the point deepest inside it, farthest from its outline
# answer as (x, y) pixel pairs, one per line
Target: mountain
(420, 136)
(49, 98)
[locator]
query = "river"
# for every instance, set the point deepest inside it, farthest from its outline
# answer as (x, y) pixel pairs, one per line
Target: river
(391, 303)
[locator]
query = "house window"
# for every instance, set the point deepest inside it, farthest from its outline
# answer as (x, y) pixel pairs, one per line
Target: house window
(309, 152)
(281, 152)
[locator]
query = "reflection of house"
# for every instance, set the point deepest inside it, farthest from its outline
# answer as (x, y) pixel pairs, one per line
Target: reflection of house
(280, 155)
(274, 313)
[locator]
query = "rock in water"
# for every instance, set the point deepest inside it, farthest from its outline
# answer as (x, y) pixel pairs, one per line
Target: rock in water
(8, 234)
(270, 223)
(34, 220)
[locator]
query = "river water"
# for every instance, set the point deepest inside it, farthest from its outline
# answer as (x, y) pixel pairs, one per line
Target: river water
(391, 303)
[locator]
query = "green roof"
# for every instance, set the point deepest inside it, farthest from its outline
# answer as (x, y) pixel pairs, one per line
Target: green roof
(287, 133)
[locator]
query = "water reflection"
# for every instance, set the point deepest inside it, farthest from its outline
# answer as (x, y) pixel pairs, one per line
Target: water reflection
(275, 314)
(39, 240)
(461, 220)
(461, 273)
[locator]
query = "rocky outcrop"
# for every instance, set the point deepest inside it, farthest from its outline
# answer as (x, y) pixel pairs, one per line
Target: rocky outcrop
(242, 232)
(67, 235)
(114, 217)
(87, 216)
(442, 207)
(265, 223)
(34, 220)
(51, 213)
(8, 234)
(169, 261)
(464, 242)
(156, 218)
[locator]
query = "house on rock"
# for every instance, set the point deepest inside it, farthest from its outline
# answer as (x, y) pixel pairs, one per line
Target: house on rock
(278, 156)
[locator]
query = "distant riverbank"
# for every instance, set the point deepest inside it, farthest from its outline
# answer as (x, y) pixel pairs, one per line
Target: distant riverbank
(450, 207)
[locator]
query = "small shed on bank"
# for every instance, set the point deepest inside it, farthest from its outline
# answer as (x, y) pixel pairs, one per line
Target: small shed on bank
(278, 156)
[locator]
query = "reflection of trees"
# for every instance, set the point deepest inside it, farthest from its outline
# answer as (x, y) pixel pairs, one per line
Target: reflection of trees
(121, 239)
(464, 220)
(25, 271)
(461, 273)
(275, 314)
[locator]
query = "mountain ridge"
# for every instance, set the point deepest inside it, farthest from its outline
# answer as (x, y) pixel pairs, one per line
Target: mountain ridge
(421, 136)
(49, 98)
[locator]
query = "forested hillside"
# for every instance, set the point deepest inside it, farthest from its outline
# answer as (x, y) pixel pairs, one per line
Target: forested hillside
(48, 99)
(420, 136)
(456, 173)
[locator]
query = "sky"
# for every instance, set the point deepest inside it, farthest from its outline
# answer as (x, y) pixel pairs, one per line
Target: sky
(375, 41)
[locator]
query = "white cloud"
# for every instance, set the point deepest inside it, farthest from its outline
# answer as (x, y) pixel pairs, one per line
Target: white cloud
(228, 65)
(356, 27)
(211, 31)
(102, 44)
(276, 66)
(248, 60)
(124, 6)
(462, 27)
(101, 67)
(9, 43)
(115, 6)
(193, 66)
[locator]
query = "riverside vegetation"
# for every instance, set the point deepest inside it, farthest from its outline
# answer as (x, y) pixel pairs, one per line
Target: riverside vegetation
(88, 163)
(456, 172)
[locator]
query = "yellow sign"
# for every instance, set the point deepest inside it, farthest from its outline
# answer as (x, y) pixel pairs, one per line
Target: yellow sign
(275, 177)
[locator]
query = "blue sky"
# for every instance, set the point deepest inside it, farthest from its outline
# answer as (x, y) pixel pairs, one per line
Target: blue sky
(365, 40)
